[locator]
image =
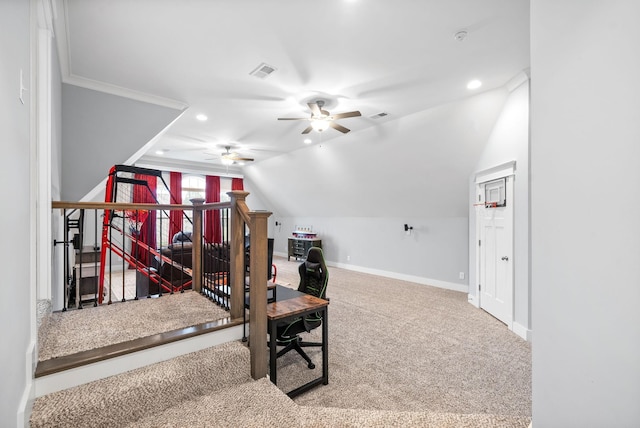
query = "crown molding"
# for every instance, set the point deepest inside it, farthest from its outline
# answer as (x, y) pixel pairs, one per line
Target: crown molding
(108, 88)
(187, 167)
(59, 16)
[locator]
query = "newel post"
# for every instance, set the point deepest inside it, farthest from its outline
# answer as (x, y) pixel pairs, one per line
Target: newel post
(236, 255)
(196, 245)
(258, 293)
(257, 222)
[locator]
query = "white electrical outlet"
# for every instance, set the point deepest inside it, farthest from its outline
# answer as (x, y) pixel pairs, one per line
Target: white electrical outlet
(461, 275)
(348, 258)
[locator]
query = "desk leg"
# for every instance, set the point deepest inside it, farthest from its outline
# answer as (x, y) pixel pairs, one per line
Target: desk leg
(325, 347)
(272, 352)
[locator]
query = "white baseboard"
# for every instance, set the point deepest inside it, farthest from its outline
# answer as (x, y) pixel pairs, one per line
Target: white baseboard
(518, 329)
(522, 331)
(28, 395)
(473, 300)
(403, 277)
(113, 366)
(395, 275)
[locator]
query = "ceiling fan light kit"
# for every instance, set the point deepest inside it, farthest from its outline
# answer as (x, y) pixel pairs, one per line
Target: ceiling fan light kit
(320, 124)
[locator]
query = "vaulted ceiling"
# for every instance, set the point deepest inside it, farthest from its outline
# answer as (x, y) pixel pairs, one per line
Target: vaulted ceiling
(374, 56)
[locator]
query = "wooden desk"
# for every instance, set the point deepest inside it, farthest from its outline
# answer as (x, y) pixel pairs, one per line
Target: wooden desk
(287, 310)
(271, 287)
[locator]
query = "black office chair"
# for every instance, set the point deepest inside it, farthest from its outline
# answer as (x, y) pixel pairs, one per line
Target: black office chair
(313, 280)
(271, 268)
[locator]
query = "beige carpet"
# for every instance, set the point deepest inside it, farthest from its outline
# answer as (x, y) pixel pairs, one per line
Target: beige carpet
(124, 398)
(400, 354)
(212, 388)
(396, 345)
(66, 333)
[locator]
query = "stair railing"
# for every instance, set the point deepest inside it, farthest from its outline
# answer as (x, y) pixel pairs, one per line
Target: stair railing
(239, 218)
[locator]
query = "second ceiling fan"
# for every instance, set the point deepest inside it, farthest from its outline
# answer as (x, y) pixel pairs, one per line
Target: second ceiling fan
(230, 157)
(322, 119)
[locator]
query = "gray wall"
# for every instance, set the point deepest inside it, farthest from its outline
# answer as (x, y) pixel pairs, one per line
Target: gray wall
(100, 130)
(509, 141)
(585, 179)
(17, 302)
(435, 249)
(358, 191)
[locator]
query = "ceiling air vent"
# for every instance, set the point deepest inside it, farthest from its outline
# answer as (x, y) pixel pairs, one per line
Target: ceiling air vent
(263, 70)
(378, 115)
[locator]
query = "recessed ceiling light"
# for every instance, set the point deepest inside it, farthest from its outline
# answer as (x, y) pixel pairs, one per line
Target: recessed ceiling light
(474, 84)
(159, 152)
(307, 141)
(202, 117)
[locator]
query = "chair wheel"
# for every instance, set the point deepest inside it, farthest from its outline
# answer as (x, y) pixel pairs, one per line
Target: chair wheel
(311, 366)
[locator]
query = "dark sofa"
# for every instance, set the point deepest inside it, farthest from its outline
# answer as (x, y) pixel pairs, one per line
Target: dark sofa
(215, 259)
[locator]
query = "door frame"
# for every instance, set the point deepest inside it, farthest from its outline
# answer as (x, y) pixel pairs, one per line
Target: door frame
(507, 171)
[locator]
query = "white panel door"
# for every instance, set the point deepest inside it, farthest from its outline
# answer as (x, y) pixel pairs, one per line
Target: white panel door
(496, 261)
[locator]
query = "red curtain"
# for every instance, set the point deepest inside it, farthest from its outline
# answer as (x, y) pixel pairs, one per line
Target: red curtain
(212, 228)
(237, 184)
(142, 194)
(175, 216)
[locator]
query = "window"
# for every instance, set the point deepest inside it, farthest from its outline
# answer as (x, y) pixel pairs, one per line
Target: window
(162, 222)
(193, 186)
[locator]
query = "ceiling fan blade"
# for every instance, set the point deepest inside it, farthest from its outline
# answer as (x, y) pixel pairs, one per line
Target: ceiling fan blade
(235, 157)
(315, 110)
(294, 118)
(307, 130)
(347, 114)
(339, 127)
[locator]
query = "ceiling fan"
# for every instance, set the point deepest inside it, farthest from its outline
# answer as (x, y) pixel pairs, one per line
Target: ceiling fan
(322, 119)
(229, 157)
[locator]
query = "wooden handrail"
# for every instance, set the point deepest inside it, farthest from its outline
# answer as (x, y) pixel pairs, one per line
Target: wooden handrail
(135, 206)
(243, 210)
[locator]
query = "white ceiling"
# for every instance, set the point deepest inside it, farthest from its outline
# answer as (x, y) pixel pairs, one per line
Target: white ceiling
(375, 56)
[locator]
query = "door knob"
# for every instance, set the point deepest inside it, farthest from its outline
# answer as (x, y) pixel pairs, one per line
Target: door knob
(505, 258)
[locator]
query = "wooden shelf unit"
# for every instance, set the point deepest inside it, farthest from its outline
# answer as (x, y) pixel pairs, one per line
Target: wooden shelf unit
(299, 247)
